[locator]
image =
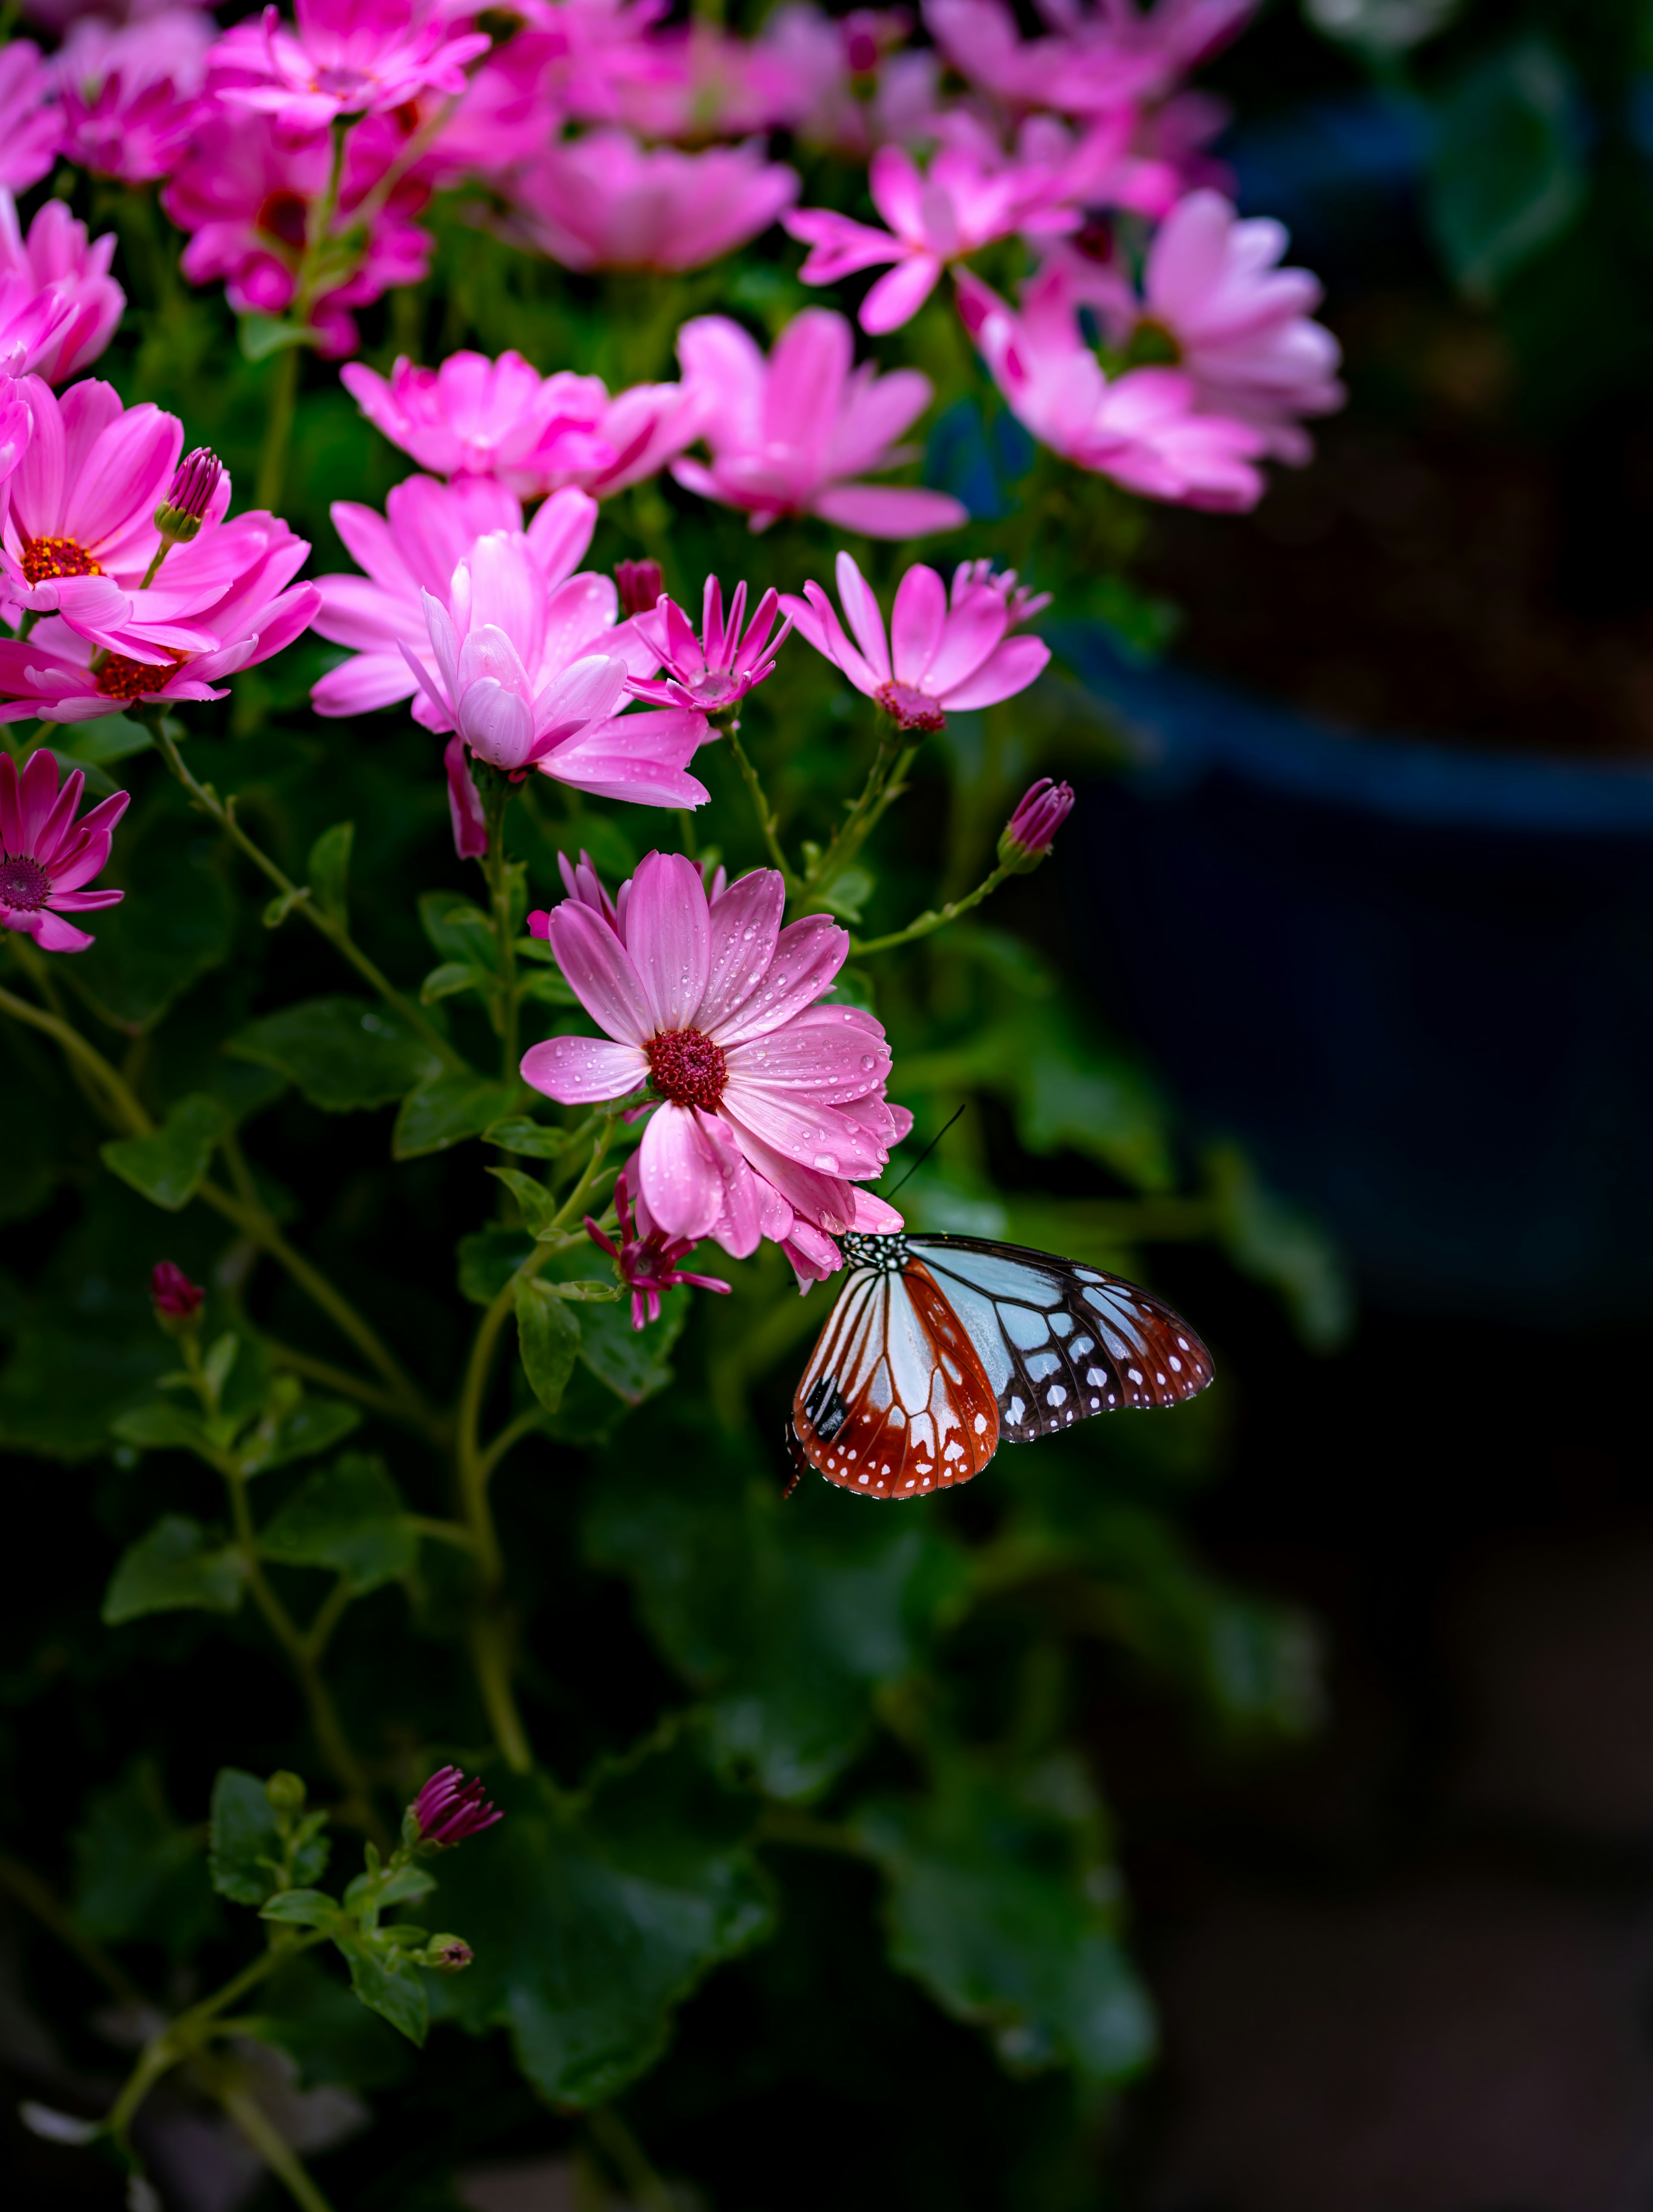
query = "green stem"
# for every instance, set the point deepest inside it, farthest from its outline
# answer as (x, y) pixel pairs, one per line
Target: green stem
(496, 793)
(332, 926)
(512, 1433)
(271, 481)
(272, 2146)
(440, 1532)
(767, 820)
(339, 1379)
(936, 918)
(643, 2184)
(883, 785)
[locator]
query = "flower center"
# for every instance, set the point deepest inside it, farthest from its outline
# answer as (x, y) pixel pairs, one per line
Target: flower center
(25, 885)
(714, 689)
(121, 678)
(1153, 346)
(45, 558)
(284, 216)
(687, 1067)
(913, 708)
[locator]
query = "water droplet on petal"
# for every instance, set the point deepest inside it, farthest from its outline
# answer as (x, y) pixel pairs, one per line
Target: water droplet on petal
(827, 1162)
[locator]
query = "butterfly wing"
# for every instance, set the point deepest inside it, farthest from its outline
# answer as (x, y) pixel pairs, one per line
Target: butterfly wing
(894, 1401)
(1057, 1340)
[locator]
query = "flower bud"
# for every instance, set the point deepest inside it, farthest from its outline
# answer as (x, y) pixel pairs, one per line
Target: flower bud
(448, 1954)
(448, 1809)
(1027, 837)
(177, 1300)
(180, 514)
(285, 1793)
(640, 583)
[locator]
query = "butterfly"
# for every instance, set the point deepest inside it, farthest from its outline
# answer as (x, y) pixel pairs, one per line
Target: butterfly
(940, 1346)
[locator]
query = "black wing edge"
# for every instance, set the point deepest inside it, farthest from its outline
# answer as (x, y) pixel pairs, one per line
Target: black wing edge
(795, 1452)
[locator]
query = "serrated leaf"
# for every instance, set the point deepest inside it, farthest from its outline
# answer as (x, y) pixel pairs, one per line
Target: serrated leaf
(174, 1568)
(393, 1988)
(348, 1518)
(592, 1920)
(169, 1166)
(328, 869)
(549, 1337)
(539, 1207)
(446, 1111)
(345, 1055)
(244, 1842)
(529, 1139)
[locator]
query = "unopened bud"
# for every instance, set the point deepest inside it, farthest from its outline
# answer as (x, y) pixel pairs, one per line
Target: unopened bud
(448, 1809)
(180, 514)
(448, 1954)
(177, 1300)
(1027, 837)
(640, 584)
(285, 1792)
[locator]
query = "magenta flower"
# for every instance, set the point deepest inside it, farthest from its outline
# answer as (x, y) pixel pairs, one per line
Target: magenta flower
(176, 1299)
(449, 1809)
(937, 655)
(1094, 63)
(646, 1259)
(46, 855)
(1142, 428)
(16, 427)
(792, 434)
(604, 202)
(464, 808)
(343, 58)
(1022, 603)
(129, 91)
(699, 81)
(473, 417)
(964, 203)
(716, 669)
(771, 1106)
(853, 91)
(58, 304)
(31, 124)
(639, 584)
(249, 199)
(1027, 837)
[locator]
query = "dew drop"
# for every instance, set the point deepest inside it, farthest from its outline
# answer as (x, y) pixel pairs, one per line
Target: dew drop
(827, 1162)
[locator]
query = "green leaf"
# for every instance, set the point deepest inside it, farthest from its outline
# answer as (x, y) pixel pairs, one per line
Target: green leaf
(348, 1518)
(1274, 1243)
(547, 988)
(176, 921)
(846, 895)
(328, 869)
(446, 1110)
(164, 1426)
(549, 1336)
(260, 336)
(175, 1567)
(312, 1426)
(997, 1904)
(169, 1166)
(331, 2039)
(111, 738)
(458, 929)
(539, 1207)
(593, 1918)
(343, 1053)
(1507, 174)
(786, 1617)
(453, 976)
(137, 1872)
(529, 1139)
(631, 1361)
(488, 1258)
(245, 1846)
(301, 1908)
(391, 1987)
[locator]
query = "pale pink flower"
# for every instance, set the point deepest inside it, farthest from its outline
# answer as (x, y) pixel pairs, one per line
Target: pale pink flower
(1022, 603)
(233, 590)
(46, 856)
(962, 204)
(342, 57)
(853, 91)
(697, 82)
(794, 433)
(1142, 428)
(58, 304)
(604, 202)
(129, 91)
(715, 670)
(937, 655)
(1096, 60)
(645, 1258)
(16, 425)
(771, 1105)
(31, 123)
(247, 200)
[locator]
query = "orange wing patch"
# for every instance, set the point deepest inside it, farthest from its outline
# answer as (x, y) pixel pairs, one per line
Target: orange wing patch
(894, 1402)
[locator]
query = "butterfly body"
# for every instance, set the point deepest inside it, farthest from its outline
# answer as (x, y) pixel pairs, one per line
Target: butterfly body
(941, 1347)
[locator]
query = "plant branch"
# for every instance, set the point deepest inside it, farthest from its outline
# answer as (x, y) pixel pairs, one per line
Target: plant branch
(936, 918)
(767, 819)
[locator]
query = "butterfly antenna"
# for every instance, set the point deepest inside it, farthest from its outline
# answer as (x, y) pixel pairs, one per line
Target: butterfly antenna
(928, 1149)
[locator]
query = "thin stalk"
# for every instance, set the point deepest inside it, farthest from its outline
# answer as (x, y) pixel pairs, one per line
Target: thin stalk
(643, 2184)
(272, 2146)
(936, 918)
(339, 1379)
(512, 1433)
(889, 765)
(439, 1532)
(767, 820)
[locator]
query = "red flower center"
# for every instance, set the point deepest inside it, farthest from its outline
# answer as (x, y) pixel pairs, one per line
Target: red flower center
(45, 558)
(284, 216)
(913, 708)
(121, 678)
(26, 886)
(688, 1068)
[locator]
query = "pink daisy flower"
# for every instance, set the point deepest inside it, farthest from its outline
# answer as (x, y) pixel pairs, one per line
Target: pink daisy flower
(716, 669)
(31, 123)
(770, 1105)
(793, 435)
(936, 654)
(129, 91)
(342, 57)
(46, 856)
(58, 304)
(604, 202)
(646, 1259)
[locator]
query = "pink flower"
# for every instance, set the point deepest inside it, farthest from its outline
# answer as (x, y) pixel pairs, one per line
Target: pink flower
(771, 1105)
(963, 205)
(639, 584)
(1022, 604)
(16, 427)
(229, 590)
(449, 1809)
(343, 58)
(936, 656)
(473, 417)
(58, 304)
(852, 91)
(1239, 323)
(248, 200)
(177, 1301)
(716, 669)
(790, 435)
(465, 809)
(604, 202)
(646, 1259)
(697, 81)
(129, 91)
(46, 855)
(31, 125)
(1027, 837)
(1097, 61)
(1141, 429)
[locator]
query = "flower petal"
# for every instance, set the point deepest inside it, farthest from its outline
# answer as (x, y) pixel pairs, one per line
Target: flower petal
(745, 924)
(680, 1172)
(579, 1071)
(808, 955)
(668, 936)
(599, 972)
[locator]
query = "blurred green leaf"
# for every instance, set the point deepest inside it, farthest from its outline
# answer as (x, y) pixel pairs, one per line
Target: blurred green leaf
(549, 1336)
(176, 1566)
(164, 1425)
(328, 869)
(343, 1053)
(392, 1986)
(1274, 1243)
(169, 1166)
(446, 1110)
(458, 929)
(244, 1842)
(110, 737)
(300, 1430)
(176, 923)
(348, 1518)
(529, 1140)
(137, 1872)
(1508, 173)
(304, 2011)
